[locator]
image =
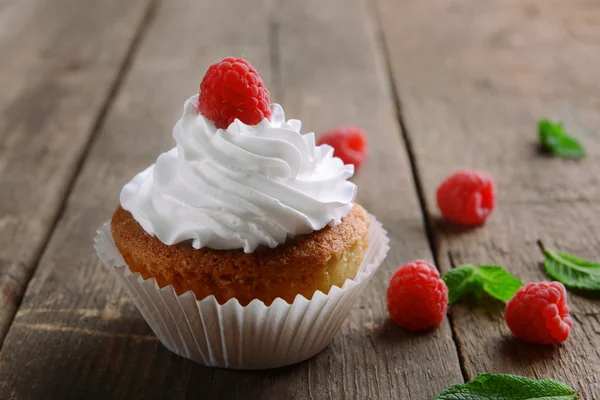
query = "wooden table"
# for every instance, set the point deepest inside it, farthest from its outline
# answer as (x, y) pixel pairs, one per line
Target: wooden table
(90, 90)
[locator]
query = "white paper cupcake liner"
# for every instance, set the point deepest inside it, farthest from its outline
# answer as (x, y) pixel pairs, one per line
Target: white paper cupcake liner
(255, 336)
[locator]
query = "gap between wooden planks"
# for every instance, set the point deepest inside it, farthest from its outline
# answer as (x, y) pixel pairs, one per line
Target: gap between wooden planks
(473, 79)
(322, 82)
(61, 62)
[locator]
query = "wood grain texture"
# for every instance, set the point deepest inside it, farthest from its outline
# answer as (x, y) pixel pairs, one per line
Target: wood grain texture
(331, 74)
(84, 337)
(13, 278)
(473, 78)
(59, 61)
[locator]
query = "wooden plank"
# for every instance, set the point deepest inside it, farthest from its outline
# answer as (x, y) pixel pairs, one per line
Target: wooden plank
(473, 78)
(332, 74)
(85, 334)
(60, 61)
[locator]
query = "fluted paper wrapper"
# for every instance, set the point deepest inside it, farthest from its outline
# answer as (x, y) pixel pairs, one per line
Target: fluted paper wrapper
(229, 335)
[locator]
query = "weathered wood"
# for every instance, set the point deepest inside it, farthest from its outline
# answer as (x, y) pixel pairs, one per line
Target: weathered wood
(13, 278)
(331, 74)
(86, 337)
(59, 63)
(473, 78)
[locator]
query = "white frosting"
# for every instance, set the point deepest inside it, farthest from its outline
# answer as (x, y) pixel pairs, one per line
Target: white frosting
(241, 187)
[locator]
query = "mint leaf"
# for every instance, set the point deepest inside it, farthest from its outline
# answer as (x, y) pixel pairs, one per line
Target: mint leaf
(497, 282)
(555, 140)
(509, 387)
(491, 279)
(573, 272)
(459, 282)
(579, 261)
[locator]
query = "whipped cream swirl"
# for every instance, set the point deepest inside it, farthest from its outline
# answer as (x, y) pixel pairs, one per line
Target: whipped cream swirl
(241, 187)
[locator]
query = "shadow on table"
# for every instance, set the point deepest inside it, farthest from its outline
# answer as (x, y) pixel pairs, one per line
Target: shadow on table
(199, 381)
(440, 224)
(387, 331)
(587, 294)
(523, 352)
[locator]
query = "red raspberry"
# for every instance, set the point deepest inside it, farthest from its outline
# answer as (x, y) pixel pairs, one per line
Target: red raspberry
(417, 297)
(467, 197)
(232, 89)
(539, 313)
(349, 143)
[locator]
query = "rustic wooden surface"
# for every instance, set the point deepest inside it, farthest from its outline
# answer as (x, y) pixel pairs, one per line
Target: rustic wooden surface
(438, 86)
(59, 63)
(471, 90)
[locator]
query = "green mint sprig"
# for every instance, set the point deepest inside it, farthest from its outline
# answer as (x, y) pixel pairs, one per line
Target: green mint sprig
(509, 387)
(571, 271)
(555, 140)
(491, 279)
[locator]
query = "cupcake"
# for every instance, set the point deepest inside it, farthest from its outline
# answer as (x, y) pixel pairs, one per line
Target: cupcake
(245, 234)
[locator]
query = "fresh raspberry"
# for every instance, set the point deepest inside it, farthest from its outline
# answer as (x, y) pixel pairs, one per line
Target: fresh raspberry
(349, 143)
(539, 313)
(467, 197)
(417, 297)
(232, 89)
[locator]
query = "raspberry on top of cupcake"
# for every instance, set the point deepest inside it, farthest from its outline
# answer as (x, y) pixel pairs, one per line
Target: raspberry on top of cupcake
(233, 89)
(242, 177)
